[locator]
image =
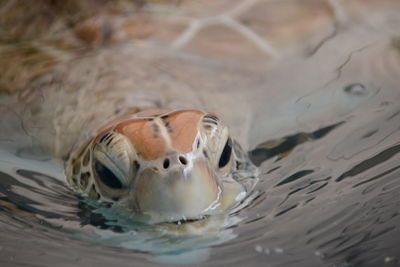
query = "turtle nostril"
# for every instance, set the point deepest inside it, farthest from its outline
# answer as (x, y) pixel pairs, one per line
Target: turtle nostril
(183, 160)
(166, 164)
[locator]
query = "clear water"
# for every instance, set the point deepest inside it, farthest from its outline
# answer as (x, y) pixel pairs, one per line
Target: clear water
(328, 193)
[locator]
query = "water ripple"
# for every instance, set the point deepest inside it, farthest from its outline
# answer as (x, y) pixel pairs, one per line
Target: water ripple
(370, 163)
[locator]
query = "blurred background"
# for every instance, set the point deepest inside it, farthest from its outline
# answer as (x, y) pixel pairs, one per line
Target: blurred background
(226, 29)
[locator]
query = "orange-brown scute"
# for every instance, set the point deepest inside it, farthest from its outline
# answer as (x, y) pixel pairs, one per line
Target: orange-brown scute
(182, 127)
(148, 142)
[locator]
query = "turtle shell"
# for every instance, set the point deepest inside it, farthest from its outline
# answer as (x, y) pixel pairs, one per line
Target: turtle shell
(62, 76)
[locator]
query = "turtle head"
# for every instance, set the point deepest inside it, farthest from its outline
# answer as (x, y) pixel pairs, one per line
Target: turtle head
(171, 166)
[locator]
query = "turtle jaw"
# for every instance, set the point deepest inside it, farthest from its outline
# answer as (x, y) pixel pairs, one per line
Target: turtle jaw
(181, 193)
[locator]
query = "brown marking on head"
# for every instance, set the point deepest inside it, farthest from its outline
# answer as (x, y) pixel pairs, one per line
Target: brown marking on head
(156, 130)
(101, 134)
(84, 180)
(76, 167)
(211, 118)
(183, 127)
(142, 135)
(144, 131)
(73, 181)
(86, 158)
(207, 127)
(214, 115)
(93, 193)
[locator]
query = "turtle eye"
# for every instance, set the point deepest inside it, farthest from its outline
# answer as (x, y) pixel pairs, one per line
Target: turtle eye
(112, 162)
(107, 176)
(226, 154)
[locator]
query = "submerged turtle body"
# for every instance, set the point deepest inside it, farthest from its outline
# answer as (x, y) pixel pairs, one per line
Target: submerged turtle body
(171, 165)
(91, 60)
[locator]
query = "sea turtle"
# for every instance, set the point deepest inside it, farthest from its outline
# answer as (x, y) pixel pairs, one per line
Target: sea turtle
(64, 75)
(76, 77)
(172, 165)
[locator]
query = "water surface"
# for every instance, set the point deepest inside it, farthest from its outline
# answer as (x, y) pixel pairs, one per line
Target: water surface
(328, 196)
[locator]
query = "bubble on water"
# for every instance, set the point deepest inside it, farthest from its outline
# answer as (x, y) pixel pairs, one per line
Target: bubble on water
(258, 248)
(319, 254)
(357, 89)
(266, 251)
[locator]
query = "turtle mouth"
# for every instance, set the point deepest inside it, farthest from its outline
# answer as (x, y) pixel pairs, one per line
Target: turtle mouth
(190, 221)
(178, 196)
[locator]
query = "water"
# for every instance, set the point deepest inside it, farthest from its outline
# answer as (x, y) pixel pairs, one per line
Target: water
(326, 141)
(328, 197)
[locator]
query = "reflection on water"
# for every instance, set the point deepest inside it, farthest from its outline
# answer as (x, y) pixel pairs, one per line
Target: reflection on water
(327, 196)
(284, 145)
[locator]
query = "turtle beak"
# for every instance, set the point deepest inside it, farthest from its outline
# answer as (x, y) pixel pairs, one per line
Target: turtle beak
(180, 192)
